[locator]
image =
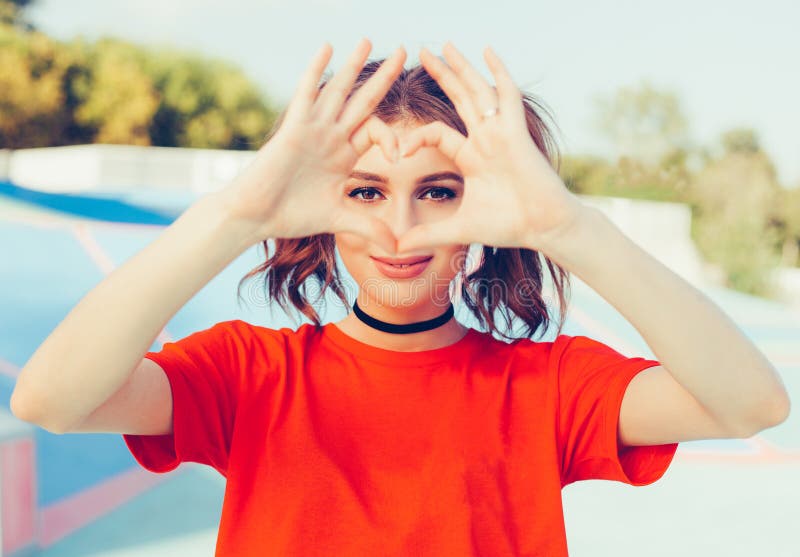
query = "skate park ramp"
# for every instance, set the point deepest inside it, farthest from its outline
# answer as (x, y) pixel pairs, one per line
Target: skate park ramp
(732, 496)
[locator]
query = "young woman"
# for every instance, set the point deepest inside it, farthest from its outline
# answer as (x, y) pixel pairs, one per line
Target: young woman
(398, 430)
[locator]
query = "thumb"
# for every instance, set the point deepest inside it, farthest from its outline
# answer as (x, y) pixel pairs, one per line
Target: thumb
(429, 235)
(371, 228)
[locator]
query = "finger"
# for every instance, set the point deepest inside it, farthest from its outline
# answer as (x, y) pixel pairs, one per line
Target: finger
(308, 87)
(333, 94)
(364, 101)
(436, 134)
(451, 85)
(483, 96)
(371, 228)
(376, 132)
(444, 232)
(509, 95)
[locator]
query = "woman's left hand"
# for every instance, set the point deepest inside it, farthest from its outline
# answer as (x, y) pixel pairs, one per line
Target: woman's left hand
(512, 195)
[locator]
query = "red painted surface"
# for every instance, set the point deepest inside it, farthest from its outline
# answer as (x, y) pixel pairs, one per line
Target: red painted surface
(68, 515)
(18, 488)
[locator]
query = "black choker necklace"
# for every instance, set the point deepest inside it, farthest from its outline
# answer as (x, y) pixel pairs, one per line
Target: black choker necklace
(407, 327)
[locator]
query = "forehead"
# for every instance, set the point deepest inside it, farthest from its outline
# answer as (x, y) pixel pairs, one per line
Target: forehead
(424, 161)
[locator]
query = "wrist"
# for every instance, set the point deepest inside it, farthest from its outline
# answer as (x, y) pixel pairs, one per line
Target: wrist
(219, 210)
(565, 242)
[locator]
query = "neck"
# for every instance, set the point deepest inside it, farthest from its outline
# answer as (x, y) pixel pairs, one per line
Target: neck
(444, 335)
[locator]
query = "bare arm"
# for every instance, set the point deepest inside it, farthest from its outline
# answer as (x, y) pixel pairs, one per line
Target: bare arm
(91, 364)
(701, 349)
(94, 350)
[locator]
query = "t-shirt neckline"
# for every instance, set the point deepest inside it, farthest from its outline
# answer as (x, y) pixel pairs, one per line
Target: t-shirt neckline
(398, 357)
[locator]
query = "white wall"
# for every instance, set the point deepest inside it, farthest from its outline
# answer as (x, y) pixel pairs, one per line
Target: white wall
(663, 229)
(787, 281)
(5, 162)
(87, 168)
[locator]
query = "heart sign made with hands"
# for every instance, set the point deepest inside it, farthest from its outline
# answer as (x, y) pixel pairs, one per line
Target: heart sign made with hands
(512, 196)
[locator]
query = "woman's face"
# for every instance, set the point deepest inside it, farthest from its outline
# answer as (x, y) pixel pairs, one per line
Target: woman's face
(422, 188)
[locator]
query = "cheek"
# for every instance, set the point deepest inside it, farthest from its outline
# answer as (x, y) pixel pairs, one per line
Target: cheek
(353, 250)
(348, 243)
(452, 261)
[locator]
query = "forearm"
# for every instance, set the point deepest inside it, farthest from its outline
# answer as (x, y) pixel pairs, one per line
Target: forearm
(94, 349)
(688, 334)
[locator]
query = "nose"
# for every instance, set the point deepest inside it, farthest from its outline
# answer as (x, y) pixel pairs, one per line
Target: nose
(401, 216)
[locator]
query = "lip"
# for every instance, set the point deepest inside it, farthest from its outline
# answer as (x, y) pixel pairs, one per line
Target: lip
(403, 260)
(411, 271)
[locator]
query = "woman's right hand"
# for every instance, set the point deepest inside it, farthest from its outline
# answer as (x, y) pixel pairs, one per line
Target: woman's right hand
(294, 186)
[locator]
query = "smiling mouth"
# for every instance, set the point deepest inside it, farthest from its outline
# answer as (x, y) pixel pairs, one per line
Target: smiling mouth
(409, 267)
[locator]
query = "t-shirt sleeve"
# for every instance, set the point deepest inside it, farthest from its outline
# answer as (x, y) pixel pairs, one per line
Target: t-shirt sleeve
(204, 371)
(592, 378)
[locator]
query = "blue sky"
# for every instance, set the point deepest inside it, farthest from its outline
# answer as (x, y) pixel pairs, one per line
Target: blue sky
(732, 63)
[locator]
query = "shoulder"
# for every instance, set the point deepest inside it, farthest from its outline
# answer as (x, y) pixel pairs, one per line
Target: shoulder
(240, 338)
(521, 353)
(580, 350)
(572, 351)
(275, 340)
(263, 352)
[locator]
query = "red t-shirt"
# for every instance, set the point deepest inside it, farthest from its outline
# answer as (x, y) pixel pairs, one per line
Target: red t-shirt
(331, 446)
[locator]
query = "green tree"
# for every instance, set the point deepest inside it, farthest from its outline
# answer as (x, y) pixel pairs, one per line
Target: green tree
(642, 122)
(112, 91)
(787, 221)
(12, 13)
(116, 98)
(587, 174)
(649, 132)
(205, 103)
(741, 140)
(740, 215)
(629, 177)
(734, 198)
(33, 69)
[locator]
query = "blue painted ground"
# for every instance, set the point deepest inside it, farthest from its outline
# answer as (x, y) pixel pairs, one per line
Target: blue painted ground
(58, 247)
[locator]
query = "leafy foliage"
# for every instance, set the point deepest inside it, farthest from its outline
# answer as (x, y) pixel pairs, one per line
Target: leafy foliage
(742, 219)
(112, 91)
(11, 12)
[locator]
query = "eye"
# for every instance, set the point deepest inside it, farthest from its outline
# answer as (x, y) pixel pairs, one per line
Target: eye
(358, 191)
(442, 194)
(449, 194)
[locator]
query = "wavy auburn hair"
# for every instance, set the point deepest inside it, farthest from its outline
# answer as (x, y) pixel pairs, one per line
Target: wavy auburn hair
(507, 278)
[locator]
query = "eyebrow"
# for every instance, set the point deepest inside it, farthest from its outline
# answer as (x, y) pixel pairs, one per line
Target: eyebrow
(437, 177)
